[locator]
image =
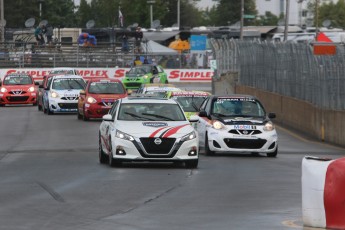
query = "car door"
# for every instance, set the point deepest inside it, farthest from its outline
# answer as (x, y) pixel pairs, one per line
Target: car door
(204, 122)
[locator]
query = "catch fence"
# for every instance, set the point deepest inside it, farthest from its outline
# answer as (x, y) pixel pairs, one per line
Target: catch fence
(289, 69)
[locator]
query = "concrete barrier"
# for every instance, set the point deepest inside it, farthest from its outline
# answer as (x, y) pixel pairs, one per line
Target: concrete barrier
(323, 196)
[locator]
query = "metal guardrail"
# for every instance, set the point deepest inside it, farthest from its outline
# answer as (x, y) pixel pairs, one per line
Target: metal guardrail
(289, 69)
(26, 55)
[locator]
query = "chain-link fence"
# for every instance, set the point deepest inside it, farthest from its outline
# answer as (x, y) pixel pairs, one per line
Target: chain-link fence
(289, 69)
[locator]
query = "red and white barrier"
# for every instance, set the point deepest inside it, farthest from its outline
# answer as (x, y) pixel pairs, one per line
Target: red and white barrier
(174, 75)
(323, 193)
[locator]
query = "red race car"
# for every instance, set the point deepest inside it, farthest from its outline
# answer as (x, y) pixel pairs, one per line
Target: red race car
(98, 97)
(18, 88)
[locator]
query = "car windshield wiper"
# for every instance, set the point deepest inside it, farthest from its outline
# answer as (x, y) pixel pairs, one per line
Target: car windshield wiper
(159, 116)
(137, 116)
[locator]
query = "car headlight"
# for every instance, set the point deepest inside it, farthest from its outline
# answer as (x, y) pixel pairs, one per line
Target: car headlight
(31, 89)
(269, 126)
(91, 100)
(3, 90)
(146, 76)
(54, 94)
(218, 125)
(189, 136)
(124, 136)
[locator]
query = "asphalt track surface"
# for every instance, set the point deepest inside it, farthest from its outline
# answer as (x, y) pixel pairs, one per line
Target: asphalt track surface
(51, 179)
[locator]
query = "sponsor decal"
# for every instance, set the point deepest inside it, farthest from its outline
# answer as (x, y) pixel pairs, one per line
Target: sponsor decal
(191, 75)
(174, 130)
(94, 73)
(245, 127)
(155, 124)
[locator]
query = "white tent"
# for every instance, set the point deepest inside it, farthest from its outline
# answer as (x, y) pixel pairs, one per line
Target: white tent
(156, 48)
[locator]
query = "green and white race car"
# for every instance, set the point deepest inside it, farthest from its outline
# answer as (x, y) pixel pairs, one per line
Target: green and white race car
(143, 74)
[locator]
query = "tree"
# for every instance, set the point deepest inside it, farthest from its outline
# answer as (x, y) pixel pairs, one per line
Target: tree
(229, 11)
(15, 15)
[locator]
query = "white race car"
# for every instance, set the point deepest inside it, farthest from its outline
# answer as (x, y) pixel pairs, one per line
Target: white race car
(238, 124)
(147, 129)
(62, 93)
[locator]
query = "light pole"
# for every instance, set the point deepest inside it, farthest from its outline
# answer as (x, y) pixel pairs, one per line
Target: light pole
(287, 11)
(178, 13)
(242, 16)
(2, 21)
(151, 2)
(40, 7)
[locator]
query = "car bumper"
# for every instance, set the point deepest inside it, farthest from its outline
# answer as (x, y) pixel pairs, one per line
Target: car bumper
(96, 111)
(27, 98)
(135, 151)
(63, 106)
(226, 142)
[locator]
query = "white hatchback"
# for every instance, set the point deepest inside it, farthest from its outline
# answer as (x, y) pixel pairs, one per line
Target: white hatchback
(147, 129)
(62, 93)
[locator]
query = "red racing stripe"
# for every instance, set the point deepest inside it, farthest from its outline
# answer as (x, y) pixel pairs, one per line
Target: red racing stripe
(334, 195)
(174, 130)
(156, 131)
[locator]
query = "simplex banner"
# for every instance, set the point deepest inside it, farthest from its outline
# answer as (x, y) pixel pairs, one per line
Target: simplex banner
(174, 75)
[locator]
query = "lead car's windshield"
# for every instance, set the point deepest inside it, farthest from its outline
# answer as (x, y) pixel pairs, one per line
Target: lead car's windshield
(68, 83)
(246, 107)
(150, 112)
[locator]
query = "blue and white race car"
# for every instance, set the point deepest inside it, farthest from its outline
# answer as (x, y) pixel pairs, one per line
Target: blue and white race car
(147, 129)
(62, 93)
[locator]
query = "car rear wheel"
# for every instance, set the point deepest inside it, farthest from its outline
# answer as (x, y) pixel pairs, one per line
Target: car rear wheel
(208, 152)
(273, 154)
(102, 156)
(39, 107)
(191, 164)
(49, 112)
(79, 115)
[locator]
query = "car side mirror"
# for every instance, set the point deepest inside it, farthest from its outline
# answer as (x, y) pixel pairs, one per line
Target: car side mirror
(0, 83)
(154, 71)
(82, 92)
(37, 83)
(127, 72)
(193, 118)
(202, 113)
(271, 115)
(41, 87)
(107, 117)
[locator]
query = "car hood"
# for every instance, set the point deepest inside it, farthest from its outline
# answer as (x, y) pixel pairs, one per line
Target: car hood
(17, 87)
(107, 97)
(242, 120)
(155, 128)
(68, 93)
(137, 75)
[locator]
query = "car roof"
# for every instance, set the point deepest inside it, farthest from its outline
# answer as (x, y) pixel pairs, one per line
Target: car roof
(103, 79)
(67, 76)
(235, 96)
(158, 85)
(189, 93)
(18, 74)
(147, 99)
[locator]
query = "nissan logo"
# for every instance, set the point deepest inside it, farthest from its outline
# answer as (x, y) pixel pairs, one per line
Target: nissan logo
(158, 141)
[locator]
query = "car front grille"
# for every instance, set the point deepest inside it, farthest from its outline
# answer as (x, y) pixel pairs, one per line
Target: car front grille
(69, 98)
(133, 84)
(17, 99)
(163, 148)
(68, 105)
(17, 92)
(245, 132)
(244, 143)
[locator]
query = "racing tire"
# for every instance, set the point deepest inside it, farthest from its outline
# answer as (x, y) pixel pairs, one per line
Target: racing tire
(113, 162)
(34, 104)
(79, 115)
(273, 154)
(166, 81)
(208, 152)
(49, 112)
(85, 118)
(39, 107)
(2, 105)
(101, 155)
(44, 109)
(191, 164)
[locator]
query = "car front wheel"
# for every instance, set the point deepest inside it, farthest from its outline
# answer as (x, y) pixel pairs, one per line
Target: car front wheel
(102, 157)
(273, 154)
(208, 152)
(113, 162)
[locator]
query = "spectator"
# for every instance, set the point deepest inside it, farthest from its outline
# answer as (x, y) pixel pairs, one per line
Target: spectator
(125, 43)
(137, 61)
(138, 38)
(39, 35)
(49, 34)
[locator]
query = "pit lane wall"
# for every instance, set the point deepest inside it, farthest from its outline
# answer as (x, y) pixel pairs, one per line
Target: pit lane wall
(325, 125)
(174, 75)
